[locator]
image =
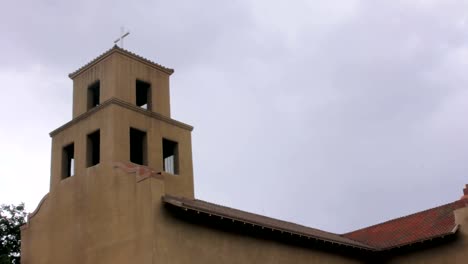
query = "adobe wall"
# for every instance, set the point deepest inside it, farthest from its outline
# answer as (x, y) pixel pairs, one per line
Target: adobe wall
(117, 74)
(110, 215)
(128, 70)
(182, 184)
(76, 133)
(114, 122)
(95, 217)
(183, 242)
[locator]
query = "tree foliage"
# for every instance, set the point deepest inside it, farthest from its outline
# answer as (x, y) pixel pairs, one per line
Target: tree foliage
(12, 217)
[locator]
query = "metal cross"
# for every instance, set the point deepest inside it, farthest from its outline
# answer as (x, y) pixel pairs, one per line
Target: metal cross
(122, 36)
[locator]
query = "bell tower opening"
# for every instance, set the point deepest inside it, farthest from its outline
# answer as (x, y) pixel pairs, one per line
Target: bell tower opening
(170, 156)
(138, 147)
(68, 161)
(93, 149)
(93, 95)
(143, 94)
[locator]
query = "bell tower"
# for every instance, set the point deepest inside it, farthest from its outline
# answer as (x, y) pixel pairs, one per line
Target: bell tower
(121, 115)
(111, 165)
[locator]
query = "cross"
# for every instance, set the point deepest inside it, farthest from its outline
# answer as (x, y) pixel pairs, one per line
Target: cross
(122, 36)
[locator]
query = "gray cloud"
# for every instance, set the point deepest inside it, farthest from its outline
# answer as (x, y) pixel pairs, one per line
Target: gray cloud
(332, 115)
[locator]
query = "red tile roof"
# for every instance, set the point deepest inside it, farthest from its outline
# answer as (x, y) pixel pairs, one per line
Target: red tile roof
(438, 222)
(425, 225)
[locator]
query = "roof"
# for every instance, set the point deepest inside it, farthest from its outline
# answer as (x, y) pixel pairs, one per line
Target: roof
(434, 223)
(125, 52)
(418, 227)
(260, 221)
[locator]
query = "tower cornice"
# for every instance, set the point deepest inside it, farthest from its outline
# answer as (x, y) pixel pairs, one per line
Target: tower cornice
(115, 101)
(124, 52)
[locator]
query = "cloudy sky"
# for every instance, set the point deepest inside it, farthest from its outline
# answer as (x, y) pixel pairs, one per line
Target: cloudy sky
(332, 114)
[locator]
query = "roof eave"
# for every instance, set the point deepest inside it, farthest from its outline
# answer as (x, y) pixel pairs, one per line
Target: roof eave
(184, 206)
(451, 233)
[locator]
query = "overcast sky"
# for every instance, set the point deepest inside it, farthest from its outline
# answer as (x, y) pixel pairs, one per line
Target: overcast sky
(332, 114)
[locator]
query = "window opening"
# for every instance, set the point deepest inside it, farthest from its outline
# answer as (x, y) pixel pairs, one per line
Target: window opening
(138, 147)
(93, 148)
(68, 161)
(170, 156)
(143, 94)
(93, 95)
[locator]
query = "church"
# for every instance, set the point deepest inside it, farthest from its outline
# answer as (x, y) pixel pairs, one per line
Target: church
(121, 191)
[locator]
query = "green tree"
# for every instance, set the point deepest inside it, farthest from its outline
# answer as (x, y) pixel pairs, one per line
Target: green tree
(12, 217)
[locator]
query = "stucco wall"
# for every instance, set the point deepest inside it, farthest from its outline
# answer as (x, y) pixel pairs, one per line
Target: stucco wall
(185, 242)
(114, 122)
(117, 74)
(96, 217)
(110, 217)
(105, 214)
(102, 120)
(156, 130)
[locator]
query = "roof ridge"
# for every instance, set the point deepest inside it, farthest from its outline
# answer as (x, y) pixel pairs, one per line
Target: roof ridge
(123, 51)
(401, 217)
(91, 61)
(357, 241)
(143, 58)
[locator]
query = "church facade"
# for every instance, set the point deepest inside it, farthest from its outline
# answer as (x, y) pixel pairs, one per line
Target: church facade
(121, 191)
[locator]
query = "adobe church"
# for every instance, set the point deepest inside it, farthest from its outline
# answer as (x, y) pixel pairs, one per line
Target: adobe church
(121, 191)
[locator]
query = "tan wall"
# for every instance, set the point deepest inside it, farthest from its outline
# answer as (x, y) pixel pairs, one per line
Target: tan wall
(105, 215)
(93, 218)
(117, 74)
(105, 73)
(128, 71)
(114, 122)
(182, 242)
(77, 134)
(181, 184)
(455, 252)
(109, 217)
